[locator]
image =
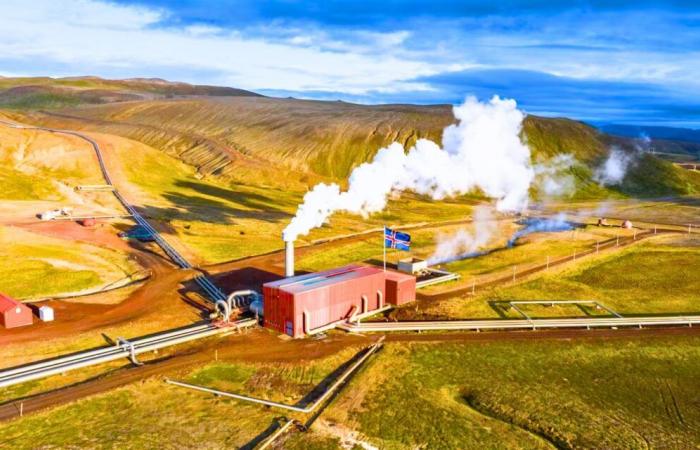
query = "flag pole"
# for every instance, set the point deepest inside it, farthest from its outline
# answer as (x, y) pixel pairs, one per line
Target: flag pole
(384, 245)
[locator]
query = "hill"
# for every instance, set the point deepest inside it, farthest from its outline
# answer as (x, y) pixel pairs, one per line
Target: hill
(673, 144)
(253, 140)
(55, 93)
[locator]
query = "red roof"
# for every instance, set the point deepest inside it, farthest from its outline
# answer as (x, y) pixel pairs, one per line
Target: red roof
(398, 276)
(7, 303)
(312, 281)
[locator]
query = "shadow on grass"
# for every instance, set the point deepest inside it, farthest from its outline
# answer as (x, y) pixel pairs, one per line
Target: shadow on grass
(213, 204)
(276, 424)
(501, 307)
(538, 433)
(245, 278)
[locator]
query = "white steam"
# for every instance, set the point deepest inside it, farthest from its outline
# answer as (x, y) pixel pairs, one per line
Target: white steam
(483, 150)
(554, 176)
(462, 244)
(614, 169)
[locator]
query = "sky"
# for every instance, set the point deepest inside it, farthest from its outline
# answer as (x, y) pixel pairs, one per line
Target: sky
(631, 62)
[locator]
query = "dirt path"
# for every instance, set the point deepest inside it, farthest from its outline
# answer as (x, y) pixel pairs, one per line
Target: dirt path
(262, 346)
(160, 292)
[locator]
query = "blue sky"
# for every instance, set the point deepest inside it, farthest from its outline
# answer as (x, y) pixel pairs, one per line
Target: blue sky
(620, 61)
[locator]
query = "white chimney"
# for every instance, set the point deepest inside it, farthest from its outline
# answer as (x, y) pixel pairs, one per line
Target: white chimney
(288, 258)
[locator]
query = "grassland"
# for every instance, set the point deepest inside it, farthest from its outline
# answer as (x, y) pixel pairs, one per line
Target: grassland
(34, 266)
(152, 414)
(523, 394)
(43, 166)
(634, 394)
(221, 220)
(532, 250)
(652, 277)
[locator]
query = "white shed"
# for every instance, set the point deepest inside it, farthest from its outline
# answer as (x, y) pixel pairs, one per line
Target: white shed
(46, 313)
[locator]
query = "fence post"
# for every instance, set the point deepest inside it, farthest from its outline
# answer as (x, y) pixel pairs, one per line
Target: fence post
(597, 247)
(617, 240)
(635, 235)
(21, 409)
(514, 268)
(473, 286)
(547, 262)
(574, 255)
(216, 354)
(654, 229)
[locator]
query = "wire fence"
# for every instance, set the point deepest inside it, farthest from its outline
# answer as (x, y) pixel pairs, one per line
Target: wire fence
(470, 285)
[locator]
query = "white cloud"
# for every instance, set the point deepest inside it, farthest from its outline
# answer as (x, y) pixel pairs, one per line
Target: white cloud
(98, 37)
(95, 37)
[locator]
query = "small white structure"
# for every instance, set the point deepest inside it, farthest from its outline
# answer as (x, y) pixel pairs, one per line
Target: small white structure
(627, 225)
(46, 314)
(412, 265)
(66, 211)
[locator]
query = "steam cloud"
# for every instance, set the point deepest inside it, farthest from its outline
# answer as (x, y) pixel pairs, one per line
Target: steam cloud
(463, 244)
(483, 150)
(614, 168)
(553, 176)
(540, 225)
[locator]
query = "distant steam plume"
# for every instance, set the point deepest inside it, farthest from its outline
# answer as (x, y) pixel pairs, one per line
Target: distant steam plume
(542, 225)
(482, 151)
(614, 169)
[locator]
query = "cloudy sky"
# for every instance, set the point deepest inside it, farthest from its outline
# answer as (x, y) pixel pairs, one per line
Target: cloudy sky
(616, 61)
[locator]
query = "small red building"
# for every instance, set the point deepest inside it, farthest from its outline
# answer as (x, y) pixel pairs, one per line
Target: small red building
(13, 313)
(299, 305)
(400, 288)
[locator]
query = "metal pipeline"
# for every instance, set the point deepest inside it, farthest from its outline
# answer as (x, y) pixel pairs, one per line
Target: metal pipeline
(236, 299)
(42, 369)
(370, 351)
(224, 308)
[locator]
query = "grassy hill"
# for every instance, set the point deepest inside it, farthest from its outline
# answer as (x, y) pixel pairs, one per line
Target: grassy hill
(56, 93)
(252, 140)
(218, 170)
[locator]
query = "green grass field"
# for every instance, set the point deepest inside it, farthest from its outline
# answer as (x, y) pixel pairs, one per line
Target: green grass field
(60, 266)
(152, 413)
(36, 162)
(635, 393)
(620, 394)
(652, 277)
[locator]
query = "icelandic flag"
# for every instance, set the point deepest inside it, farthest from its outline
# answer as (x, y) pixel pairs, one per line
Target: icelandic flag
(396, 239)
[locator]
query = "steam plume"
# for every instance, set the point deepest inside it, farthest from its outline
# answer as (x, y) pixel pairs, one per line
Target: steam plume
(463, 244)
(483, 150)
(614, 168)
(540, 225)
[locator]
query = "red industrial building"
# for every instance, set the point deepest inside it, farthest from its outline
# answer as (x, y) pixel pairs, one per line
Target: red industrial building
(300, 305)
(400, 288)
(13, 313)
